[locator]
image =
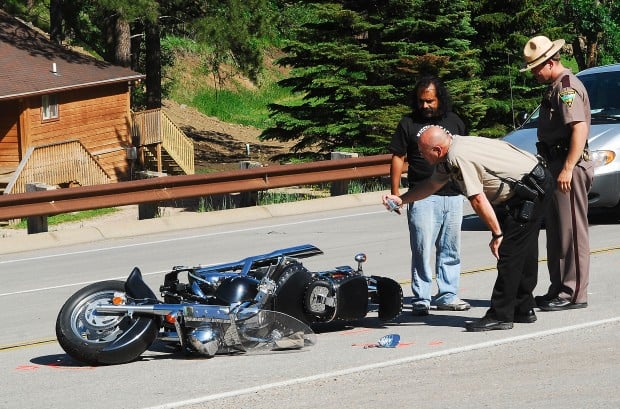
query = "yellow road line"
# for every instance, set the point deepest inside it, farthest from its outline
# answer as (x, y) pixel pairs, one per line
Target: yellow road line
(27, 344)
(542, 260)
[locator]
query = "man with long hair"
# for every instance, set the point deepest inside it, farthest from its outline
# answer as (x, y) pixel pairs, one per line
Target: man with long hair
(434, 222)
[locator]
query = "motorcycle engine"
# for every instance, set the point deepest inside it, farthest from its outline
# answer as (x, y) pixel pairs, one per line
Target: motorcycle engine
(205, 339)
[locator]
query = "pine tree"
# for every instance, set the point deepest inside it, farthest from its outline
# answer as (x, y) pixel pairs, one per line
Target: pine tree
(434, 37)
(356, 67)
(502, 29)
(336, 73)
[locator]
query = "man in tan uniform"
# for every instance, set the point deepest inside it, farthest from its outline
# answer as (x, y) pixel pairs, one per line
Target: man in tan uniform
(563, 127)
(509, 191)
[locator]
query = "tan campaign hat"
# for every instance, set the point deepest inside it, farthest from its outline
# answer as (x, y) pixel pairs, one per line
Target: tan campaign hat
(538, 50)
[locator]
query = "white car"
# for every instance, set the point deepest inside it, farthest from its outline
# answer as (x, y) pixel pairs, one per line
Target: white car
(603, 85)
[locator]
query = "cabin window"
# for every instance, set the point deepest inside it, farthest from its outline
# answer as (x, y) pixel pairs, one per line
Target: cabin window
(49, 107)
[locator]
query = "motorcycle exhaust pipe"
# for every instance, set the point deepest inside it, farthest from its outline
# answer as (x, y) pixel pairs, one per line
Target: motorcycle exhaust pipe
(190, 313)
(156, 309)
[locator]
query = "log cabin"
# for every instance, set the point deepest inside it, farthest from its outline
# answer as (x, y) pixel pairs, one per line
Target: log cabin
(65, 117)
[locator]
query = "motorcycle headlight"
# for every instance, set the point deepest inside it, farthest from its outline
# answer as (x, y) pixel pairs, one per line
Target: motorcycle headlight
(602, 158)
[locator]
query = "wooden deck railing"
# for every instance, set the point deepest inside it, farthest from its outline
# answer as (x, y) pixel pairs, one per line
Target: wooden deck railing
(154, 127)
(57, 163)
(177, 144)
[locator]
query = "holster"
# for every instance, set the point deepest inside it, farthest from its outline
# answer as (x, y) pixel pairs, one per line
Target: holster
(527, 190)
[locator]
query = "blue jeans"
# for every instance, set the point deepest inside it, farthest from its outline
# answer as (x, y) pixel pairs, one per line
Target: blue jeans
(435, 224)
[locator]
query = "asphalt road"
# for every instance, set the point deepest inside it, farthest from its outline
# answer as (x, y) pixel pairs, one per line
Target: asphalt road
(564, 359)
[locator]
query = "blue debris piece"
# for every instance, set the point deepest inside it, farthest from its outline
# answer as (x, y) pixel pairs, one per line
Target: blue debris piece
(389, 341)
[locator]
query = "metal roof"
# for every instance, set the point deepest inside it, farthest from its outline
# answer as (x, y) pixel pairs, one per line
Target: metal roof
(28, 60)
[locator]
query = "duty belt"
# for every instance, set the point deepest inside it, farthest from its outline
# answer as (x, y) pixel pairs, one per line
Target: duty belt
(558, 151)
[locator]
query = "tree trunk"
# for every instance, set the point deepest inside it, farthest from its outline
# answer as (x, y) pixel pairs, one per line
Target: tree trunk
(592, 54)
(153, 65)
(109, 39)
(122, 49)
(579, 54)
(56, 21)
(136, 46)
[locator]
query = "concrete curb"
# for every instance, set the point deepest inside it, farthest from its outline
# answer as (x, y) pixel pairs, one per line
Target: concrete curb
(183, 221)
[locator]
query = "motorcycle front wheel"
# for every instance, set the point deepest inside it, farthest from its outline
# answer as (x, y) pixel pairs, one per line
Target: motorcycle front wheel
(102, 338)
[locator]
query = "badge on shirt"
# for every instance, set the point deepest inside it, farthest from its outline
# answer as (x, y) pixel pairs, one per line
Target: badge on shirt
(568, 96)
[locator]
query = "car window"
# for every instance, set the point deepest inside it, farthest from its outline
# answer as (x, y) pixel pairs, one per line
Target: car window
(604, 93)
(532, 120)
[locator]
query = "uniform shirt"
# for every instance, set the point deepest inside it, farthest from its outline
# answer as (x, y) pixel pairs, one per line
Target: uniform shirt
(405, 142)
(481, 165)
(565, 101)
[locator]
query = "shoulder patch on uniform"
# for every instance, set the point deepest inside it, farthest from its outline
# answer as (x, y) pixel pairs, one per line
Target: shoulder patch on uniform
(567, 96)
(565, 81)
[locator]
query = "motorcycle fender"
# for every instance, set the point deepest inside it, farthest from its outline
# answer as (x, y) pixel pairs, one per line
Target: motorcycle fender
(131, 343)
(136, 287)
(390, 298)
(352, 296)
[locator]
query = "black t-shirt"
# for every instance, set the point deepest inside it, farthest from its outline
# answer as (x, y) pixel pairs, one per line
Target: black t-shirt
(404, 143)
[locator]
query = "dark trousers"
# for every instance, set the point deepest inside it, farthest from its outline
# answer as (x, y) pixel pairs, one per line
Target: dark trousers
(517, 267)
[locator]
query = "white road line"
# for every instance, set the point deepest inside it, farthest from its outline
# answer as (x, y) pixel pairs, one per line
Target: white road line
(395, 362)
(34, 290)
(148, 243)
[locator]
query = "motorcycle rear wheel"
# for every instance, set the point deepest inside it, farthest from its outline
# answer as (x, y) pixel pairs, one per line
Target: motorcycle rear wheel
(84, 335)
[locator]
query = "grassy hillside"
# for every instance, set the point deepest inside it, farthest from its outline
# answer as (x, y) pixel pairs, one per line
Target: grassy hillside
(226, 95)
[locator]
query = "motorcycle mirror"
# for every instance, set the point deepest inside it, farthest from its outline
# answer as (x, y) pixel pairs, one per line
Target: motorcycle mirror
(360, 258)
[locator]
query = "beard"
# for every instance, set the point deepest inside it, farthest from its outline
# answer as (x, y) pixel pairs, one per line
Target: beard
(429, 112)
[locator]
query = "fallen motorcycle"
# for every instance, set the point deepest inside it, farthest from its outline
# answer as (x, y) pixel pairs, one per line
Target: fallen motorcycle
(265, 302)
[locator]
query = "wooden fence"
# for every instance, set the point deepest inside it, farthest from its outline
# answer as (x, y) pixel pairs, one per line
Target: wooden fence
(61, 163)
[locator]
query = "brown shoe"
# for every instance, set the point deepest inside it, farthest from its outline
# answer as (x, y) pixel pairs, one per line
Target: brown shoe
(560, 304)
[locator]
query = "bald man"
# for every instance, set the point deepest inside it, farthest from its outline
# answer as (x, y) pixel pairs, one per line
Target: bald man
(509, 190)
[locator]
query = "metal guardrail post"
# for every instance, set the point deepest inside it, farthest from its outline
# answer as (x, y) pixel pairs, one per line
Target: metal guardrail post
(248, 199)
(37, 224)
(341, 187)
(148, 210)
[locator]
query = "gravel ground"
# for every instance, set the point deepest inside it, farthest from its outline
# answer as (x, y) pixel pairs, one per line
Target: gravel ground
(219, 145)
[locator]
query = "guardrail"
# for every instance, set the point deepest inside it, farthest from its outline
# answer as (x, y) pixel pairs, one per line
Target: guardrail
(52, 202)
